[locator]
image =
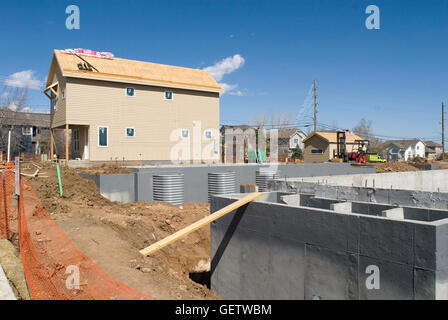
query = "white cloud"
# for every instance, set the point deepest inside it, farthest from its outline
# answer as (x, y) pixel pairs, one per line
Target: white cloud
(227, 66)
(23, 79)
(237, 93)
(227, 87)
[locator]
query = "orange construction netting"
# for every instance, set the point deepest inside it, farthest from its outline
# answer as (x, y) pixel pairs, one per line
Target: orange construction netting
(54, 268)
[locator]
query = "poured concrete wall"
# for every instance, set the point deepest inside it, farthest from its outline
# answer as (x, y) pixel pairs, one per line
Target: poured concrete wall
(268, 250)
(431, 181)
(435, 200)
(138, 186)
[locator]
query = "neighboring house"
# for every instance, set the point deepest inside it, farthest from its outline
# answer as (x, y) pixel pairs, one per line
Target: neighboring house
(404, 150)
(133, 110)
(288, 140)
(433, 150)
(30, 132)
(244, 134)
(321, 146)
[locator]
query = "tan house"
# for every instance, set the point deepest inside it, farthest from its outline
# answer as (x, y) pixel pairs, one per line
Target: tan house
(132, 110)
(321, 146)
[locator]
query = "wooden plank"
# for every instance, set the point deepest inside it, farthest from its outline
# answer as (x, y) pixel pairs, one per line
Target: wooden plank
(199, 224)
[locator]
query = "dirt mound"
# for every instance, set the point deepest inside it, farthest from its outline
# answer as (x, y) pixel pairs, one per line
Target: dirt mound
(105, 170)
(112, 233)
(394, 167)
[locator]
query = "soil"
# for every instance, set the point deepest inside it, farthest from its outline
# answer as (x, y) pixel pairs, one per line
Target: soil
(394, 167)
(105, 169)
(111, 235)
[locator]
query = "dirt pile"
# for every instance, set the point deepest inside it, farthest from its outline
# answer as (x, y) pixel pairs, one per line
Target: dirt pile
(394, 167)
(111, 234)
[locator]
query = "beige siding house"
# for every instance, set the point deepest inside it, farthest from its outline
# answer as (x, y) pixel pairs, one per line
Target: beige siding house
(321, 146)
(118, 109)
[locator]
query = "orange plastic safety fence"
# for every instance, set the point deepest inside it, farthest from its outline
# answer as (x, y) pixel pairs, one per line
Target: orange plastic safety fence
(54, 268)
(6, 197)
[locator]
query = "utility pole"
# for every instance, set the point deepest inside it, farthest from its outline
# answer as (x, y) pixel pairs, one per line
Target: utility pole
(443, 131)
(315, 107)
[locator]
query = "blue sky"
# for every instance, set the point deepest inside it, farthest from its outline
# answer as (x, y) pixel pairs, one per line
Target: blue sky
(396, 76)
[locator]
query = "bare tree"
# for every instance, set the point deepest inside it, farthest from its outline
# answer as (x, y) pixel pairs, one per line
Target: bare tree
(364, 130)
(275, 120)
(12, 101)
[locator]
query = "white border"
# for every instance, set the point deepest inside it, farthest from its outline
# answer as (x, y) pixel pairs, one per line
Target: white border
(126, 92)
(126, 132)
(182, 136)
(172, 95)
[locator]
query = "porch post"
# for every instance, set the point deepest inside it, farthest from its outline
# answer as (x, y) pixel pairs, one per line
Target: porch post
(66, 142)
(51, 144)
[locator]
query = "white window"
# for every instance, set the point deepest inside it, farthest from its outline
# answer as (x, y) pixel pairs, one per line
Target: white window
(55, 104)
(103, 136)
(185, 133)
(130, 92)
(130, 132)
(27, 131)
(208, 134)
(168, 95)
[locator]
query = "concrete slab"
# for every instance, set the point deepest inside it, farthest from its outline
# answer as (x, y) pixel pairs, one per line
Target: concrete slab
(396, 213)
(341, 207)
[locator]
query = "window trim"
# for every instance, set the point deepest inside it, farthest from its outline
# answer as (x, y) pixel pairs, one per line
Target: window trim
(126, 132)
(172, 95)
(107, 136)
(211, 134)
(126, 92)
(181, 133)
(317, 153)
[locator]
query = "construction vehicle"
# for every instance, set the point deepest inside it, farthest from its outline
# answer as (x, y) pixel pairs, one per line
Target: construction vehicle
(358, 151)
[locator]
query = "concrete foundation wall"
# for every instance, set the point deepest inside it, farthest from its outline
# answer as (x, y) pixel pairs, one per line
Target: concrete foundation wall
(430, 181)
(434, 200)
(268, 250)
(137, 186)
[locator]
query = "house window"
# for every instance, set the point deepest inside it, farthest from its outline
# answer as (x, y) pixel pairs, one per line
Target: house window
(102, 137)
(130, 132)
(130, 92)
(63, 94)
(168, 95)
(296, 142)
(317, 151)
(185, 133)
(27, 131)
(208, 134)
(55, 104)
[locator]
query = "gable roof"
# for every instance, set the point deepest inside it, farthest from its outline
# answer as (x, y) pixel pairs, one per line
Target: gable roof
(287, 133)
(12, 118)
(135, 72)
(332, 136)
(403, 144)
(432, 144)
